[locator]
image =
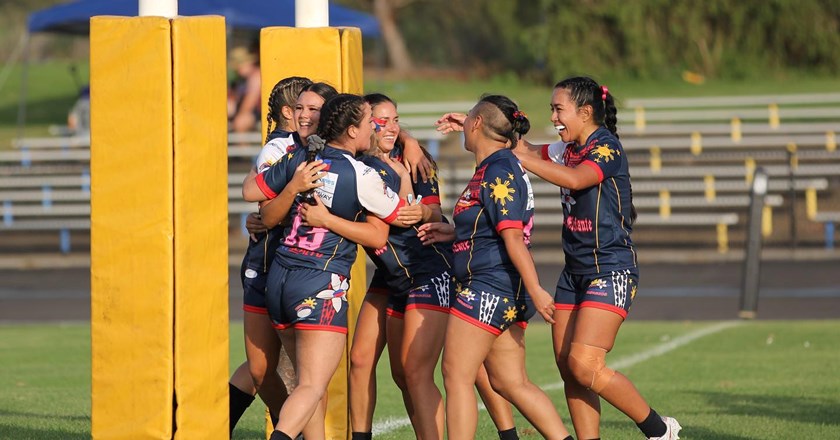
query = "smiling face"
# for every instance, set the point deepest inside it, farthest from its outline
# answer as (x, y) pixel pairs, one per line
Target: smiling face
(387, 125)
(308, 113)
(569, 120)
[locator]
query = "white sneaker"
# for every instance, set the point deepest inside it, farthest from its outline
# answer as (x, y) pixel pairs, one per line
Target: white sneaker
(673, 429)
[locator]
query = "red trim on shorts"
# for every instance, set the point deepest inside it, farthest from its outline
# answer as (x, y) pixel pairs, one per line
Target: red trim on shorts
(427, 307)
(475, 322)
(523, 324)
(281, 326)
(264, 187)
(394, 314)
(509, 224)
(544, 152)
(327, 328)
(569, 307)
(390, 219)
(378, 291)
(595, 167)
(430, 200)
(608, 307)
(255, 309)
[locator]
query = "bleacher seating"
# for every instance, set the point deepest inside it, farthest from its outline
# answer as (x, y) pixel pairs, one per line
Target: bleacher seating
(691, 162)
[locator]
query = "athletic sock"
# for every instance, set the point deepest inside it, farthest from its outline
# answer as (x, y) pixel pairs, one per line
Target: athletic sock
(569, 437)
(275, 418)
(361, 436)
(279, 435)
(508, 434)
(239, 402)
(653, 425)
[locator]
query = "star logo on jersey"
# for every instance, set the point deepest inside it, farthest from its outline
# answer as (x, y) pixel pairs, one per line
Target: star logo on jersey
(504, 211)
(383, 172)
(604, 152)
(510, 313)
(502, 193)
(336, 292)
(290, 156)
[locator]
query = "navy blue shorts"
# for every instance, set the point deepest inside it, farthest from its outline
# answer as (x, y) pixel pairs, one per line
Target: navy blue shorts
(379, 285)
(495, 305)
(613, 291)
(253, 286)
(307, 299)
(431, 293)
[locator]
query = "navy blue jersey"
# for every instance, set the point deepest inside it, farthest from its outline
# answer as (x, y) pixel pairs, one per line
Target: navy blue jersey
(498, 197)
(597, 220)
(404, 257)
(350, 189)
(259, 254)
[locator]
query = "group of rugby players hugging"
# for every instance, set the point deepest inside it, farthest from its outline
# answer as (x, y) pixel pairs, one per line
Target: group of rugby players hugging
(336, 171)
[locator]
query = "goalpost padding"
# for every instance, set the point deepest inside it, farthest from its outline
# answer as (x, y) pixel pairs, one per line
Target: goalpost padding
(334, 56)
(159, 315)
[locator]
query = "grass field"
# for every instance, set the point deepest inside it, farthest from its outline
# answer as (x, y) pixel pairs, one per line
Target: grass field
(723, 381)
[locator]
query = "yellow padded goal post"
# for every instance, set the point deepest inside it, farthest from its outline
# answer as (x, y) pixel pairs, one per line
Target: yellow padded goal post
(332, 55)
(159, 267)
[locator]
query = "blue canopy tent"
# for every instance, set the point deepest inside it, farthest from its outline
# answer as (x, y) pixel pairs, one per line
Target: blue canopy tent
(74, 18)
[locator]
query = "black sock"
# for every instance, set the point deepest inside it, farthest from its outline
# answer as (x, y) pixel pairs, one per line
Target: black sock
(508, 434)
(239, 402)
(653, 426)
(571, 438)
(275, 418)
(279, 435)
(361, 436)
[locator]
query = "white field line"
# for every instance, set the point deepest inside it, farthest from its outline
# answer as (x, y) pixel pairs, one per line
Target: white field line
(394, 423)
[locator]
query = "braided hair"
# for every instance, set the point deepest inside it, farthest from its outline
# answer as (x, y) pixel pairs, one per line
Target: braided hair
(338, 113)
(511, 126)
(585, 91)
(284, 94)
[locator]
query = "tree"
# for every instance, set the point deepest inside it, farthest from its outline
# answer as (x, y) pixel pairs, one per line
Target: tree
(385, 11)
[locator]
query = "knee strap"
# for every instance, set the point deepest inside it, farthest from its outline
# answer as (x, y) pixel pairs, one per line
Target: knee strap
(592, 361)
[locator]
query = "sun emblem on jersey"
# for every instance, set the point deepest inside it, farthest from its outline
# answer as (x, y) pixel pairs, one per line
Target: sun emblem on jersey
(502, 193)
(510, 313)
(604, 152)
(336, 292)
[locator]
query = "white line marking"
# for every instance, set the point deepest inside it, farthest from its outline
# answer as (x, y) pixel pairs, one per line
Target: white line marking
(394, 423)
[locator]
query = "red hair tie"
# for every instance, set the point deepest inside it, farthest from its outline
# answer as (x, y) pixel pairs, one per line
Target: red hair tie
(519, 115)
(604, 91)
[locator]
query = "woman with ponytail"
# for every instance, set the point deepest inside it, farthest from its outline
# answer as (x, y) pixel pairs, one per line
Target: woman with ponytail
(497, 285)
(308, 280)
(601, 276)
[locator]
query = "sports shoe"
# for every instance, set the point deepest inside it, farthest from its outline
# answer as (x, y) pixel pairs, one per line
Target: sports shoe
(673, 429)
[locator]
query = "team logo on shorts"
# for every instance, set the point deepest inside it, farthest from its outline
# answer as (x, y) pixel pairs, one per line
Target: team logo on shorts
(510, 313)
(336, 292)
(466, 294)
(305, 308)
(596, 287)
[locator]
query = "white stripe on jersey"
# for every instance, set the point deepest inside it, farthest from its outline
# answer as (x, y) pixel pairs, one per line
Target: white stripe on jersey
(555, 151)
(373, 194)
(273, 151)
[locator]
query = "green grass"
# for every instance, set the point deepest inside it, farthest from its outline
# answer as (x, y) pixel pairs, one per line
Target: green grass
(757, 380)
(52, 91)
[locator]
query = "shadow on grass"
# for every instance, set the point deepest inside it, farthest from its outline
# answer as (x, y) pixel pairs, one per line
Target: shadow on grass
(815, 410)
